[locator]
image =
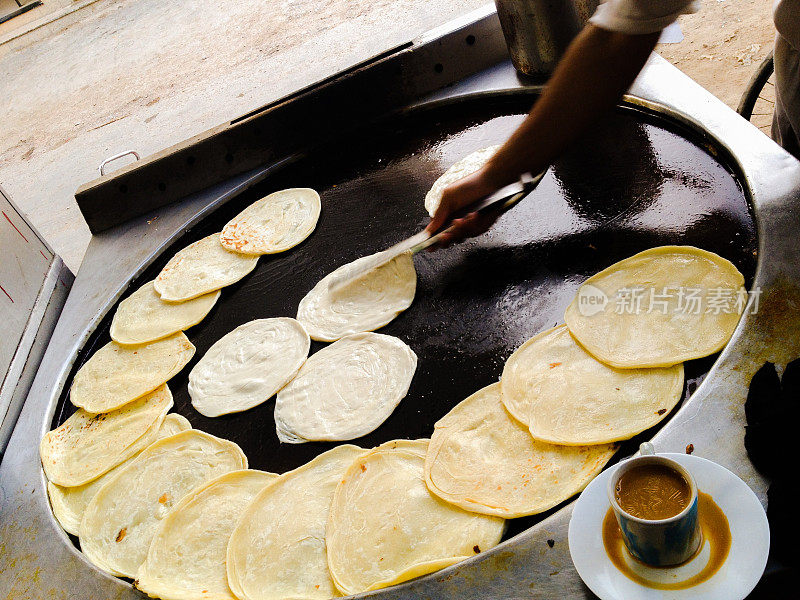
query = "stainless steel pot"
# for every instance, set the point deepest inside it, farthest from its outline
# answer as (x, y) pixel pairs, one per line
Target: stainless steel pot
(538, 31)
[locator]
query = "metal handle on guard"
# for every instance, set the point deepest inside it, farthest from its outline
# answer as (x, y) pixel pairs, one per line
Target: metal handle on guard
(115, 157)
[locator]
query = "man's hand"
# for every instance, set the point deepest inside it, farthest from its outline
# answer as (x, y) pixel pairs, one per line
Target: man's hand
(455, 197)
(596, 70)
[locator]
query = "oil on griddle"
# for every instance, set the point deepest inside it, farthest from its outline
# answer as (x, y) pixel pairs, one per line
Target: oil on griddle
(631, 184)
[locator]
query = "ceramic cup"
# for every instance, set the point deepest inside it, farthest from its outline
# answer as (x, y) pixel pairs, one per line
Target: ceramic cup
(658, 542)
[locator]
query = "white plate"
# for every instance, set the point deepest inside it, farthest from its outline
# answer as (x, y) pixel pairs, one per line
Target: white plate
(735, 579)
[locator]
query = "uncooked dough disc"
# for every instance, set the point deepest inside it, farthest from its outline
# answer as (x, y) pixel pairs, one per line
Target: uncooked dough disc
(87, 445)
(566, 396)
(385, 527)
(277, 550)
(200, 268)
(144, 317)
(116, 374)
(466, 166)
(248, 366)
(658, 308)
(186, 559)
(345, 390)
(364, 304)
(124, 514)
(273, 224)
(69, 503)
(482, 459)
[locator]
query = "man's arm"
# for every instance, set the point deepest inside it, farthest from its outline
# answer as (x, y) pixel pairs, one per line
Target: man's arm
(597, 68)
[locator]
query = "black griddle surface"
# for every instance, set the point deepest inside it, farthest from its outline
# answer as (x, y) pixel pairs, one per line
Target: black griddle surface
(632, 183)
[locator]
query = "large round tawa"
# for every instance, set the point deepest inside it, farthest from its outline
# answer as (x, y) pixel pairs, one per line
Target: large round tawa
(478, 301)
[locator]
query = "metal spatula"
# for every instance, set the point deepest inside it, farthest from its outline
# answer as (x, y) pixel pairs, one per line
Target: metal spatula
(498, 202)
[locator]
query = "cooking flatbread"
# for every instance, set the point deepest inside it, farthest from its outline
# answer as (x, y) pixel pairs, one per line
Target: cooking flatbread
(186, 559)
(658, 308)
(124, 514)
(366, 303)
(116, 374)
(248, 366)
(144, 317)
(69, 503)
(345, 390)
(86, 445)
(482, 459)
(566, 396)
(273, 224)
(278, 548)
(385, 527)
(466, 166)
(200, 268)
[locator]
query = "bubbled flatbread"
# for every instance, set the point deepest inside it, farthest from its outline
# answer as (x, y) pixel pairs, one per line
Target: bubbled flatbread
(466, 166)
(345, 390)
(273, 224)
(144, 317)
(69, 503)
(87, 445)
(278, 547)
(482, 459)
(248, 366)
(566, 396)
(368, 302)
(200, 268)
(124, 514)
(116, 374)
(667, 325)
(385, 527)
(186, 558)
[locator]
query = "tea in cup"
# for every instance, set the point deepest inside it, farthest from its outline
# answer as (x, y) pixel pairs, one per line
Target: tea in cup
(654, 499)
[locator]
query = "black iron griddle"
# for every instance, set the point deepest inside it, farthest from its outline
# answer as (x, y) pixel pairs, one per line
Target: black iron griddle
(632, 183)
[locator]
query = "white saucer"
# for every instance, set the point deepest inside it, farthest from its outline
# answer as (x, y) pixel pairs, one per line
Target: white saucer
(735, 579)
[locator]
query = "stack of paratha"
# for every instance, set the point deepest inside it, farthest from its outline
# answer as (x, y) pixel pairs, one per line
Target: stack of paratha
(566, 395)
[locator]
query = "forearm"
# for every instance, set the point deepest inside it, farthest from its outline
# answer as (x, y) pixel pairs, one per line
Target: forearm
(598, 67)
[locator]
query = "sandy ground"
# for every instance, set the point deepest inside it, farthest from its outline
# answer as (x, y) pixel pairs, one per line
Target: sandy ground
(145, 74)
(724, 44)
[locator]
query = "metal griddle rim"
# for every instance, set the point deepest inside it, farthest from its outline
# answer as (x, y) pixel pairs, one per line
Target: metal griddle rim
(653, 112)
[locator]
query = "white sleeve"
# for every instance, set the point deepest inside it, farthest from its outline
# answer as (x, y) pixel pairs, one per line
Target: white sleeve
(638, 17)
